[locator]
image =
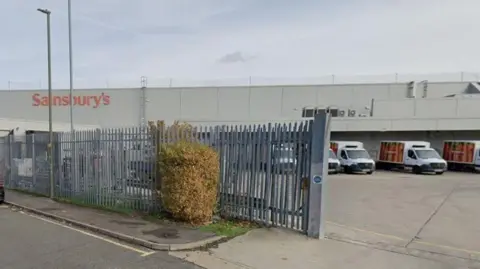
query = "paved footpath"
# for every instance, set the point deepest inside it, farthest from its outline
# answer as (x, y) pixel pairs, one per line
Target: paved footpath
(28, 242)
(281, 249)
(156, 235)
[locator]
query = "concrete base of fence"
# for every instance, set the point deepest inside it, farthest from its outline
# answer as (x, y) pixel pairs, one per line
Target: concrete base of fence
(122, 237)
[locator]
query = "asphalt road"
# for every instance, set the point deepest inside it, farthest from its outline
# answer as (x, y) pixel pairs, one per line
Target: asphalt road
(28, 242)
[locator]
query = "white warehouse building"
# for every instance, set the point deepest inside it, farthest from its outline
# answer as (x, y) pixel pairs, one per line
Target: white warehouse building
(365, 112)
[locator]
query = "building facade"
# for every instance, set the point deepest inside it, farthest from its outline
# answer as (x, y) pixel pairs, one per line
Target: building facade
(433, 112)
(134, 106)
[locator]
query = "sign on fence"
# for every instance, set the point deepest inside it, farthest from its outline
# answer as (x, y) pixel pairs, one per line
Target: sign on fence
(317, 179)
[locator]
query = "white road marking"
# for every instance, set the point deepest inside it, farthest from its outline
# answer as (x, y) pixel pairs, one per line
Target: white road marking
(147, 254)
(141, 252)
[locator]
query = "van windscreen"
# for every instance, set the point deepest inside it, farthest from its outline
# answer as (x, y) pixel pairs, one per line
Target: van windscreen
(427, 154)
(358, 154)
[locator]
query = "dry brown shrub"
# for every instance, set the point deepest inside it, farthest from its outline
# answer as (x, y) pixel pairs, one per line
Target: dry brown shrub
(189, 173)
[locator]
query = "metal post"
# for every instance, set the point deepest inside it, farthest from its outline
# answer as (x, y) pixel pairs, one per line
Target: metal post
(143, 101)
(326, 154)
(318, 174)
(34, 165)
(372, 106)
(50, 127)
(70, 61)
(73, 157)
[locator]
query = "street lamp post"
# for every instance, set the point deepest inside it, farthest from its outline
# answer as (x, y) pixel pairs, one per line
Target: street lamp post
(70, 62)
(50, 128)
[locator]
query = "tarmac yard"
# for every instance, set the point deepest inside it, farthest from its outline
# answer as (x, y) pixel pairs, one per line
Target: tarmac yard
(435, 214)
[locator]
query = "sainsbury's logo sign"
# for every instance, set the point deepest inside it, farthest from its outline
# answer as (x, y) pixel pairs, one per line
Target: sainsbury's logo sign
(93, 101)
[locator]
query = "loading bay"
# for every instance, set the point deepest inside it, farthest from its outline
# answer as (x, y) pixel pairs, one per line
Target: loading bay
(421, 214)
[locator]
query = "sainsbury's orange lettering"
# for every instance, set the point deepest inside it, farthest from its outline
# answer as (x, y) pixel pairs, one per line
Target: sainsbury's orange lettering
(93, 101)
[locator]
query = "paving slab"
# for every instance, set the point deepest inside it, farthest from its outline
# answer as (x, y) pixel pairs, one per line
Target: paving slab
(162, 235)
(282, 249)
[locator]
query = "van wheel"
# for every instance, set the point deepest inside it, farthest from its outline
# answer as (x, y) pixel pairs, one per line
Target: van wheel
(439, 173)
(370, 172)
(417, 170)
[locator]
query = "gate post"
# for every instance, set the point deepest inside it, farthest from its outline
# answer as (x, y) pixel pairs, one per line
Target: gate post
(320, 145)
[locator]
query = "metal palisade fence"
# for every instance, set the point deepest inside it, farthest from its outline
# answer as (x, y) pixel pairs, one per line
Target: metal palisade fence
(262, 168)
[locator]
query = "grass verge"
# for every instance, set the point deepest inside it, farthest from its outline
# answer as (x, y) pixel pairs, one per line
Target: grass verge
(229, 228)
(83, 203)
(80, 202)
(27, 192)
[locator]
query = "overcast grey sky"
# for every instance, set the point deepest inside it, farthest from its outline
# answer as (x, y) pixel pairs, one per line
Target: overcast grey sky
(121, 40)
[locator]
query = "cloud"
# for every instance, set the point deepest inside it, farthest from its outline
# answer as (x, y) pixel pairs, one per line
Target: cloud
(235, 57)
(121, 40)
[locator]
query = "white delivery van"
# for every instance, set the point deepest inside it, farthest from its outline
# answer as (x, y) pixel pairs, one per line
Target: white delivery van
(353, 157)
(333, 163)
(415, 156)
(462, 155)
